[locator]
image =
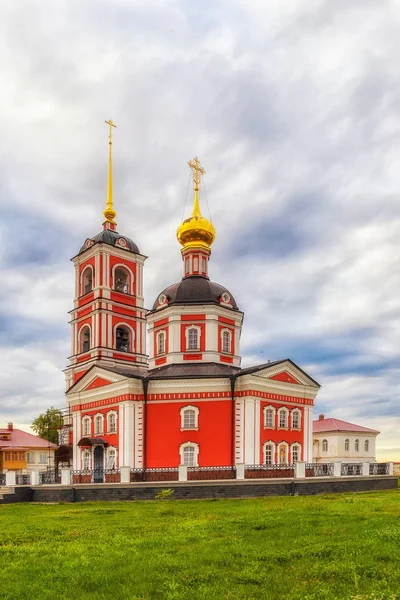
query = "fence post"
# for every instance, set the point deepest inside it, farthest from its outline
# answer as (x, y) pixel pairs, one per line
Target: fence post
(182, 473)
(10, 478)
(240, 471)
(365, 470)
(34, 477)
(125, 474)
(299, 470)
(337, 469)
(65, 476)
(390, 465)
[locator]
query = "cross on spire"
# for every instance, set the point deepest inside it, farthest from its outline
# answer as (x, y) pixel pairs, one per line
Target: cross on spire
(109, 212)
(197, 169)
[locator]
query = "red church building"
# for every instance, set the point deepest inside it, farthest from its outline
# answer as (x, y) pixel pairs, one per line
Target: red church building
(186, 400)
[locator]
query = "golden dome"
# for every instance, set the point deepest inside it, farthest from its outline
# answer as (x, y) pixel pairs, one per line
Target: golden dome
(196, 230)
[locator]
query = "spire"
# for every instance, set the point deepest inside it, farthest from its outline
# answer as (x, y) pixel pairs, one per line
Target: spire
(109, 212)
(197, 170)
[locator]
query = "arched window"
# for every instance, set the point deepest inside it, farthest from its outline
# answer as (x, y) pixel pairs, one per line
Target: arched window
(189, 454)
(203, 265)
(189, 417)
(296, 419)
(324, 445)
(283, 418)
(192, 338)
(111, 458)
(357, 445)
(85, 338)
(86, 422)
(366, 446)
(121, 280)
(187, 265)
(161, 342)
(295, 453)
(283, 452)
(87, 280)
(269, 417)
(122, 339)
(269, 451)
(86, 460)
(226, 341)
(98, 424)
(196, 264)
(347, 445)
(112, 422)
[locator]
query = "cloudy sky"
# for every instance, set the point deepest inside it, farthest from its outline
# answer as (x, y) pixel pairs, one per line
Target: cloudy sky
(294, 110)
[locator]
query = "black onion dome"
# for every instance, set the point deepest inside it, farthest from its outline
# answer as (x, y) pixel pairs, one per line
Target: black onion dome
(196, 290)
(112, 238)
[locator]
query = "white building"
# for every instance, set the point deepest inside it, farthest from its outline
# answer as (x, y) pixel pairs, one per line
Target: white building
(339, 441)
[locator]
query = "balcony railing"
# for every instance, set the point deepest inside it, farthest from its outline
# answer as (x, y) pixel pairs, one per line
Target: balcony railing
(23, 479)
(351, 469)
(46, 477)
(210, 473)
(96, 476)
(156, 474)
(379, 469)
(319, 469)
(269, 471)
(2, 479)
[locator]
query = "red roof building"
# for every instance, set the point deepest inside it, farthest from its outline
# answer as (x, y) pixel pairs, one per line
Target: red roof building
(335, 440)
(23, 452)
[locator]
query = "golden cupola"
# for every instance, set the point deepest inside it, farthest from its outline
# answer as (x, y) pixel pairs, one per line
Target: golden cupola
(196, 231)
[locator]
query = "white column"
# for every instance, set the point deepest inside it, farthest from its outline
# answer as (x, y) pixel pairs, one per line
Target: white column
(125, 474)
(138, 441)
(308, 434)
(300, 469)
(182, 473)
(76, 436)
(34, 477)
(390, 468)
(129, 435)
(239, 430)
(239, 471)
(65, 476)
(252, 431)
(365, 470)
(121, 435)
(337, 469)
(10, 478)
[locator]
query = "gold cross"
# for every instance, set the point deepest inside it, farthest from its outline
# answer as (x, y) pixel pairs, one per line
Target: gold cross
(111, 124)
(196, 167)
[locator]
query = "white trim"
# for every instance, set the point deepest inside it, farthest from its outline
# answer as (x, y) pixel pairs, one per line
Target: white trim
(229, 332)
(285, 410)
(295, 445)
(109, 414)
(95, 418)
(85, 419)
(183, 410)
(81, 284)
(293, 412)
(286, 446)
(269, 407)
(132, 341)
(160, 333)
(269, 443)
(187, 329)
(80, 349)
(182, 448)
(131, 277)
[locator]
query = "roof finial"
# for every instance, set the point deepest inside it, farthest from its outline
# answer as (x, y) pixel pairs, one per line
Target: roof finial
(110, 213)
(197, 169)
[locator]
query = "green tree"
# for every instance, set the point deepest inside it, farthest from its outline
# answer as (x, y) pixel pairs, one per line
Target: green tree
(47, 424)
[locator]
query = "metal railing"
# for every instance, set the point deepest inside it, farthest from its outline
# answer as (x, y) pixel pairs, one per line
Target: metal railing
(96, 476)
(210, 473)
(319, 469)
(351, 469)
(23, 478)
(50, 476)
(269, 471)
(2, 479)
(155, 474)
(379, 469)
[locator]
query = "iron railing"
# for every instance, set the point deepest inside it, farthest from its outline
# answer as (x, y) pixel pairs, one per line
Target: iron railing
(23, 478)
(2, 479)
(210, 473)
(319, 469)
(50, 476)
(155, 474)
(96, 476)
(351, 469)
(269, 471)
(379, 469)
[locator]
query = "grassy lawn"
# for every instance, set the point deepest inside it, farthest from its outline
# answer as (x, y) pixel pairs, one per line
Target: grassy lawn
(328, 547)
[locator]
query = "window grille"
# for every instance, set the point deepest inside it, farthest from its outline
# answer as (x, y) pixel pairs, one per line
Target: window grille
(295, 454)
(189, 454)
(226, 341)
(111, 459)
(98, 424)
(189, 419)
(86, 426)
(193, 336)
(122, 339)
(86, 460)
(161, 343)
(295, 419)
(282, 419)
(269, 417)
(269, 455)
(324, 445)
(112, 424)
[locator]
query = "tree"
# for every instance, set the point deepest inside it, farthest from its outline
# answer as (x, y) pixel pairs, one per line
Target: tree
(47, 424)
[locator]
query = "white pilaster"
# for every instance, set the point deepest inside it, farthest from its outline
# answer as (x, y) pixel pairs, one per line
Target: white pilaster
(129, 436)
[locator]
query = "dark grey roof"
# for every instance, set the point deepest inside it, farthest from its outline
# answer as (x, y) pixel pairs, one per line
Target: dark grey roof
(110, 237)
(193, 370)
(250, 370)
(195, 290)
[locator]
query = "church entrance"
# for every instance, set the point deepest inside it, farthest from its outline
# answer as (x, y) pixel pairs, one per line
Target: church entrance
(98, 464)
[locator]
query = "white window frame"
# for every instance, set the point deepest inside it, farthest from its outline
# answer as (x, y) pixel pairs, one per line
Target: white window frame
(80, 340)
(195, 455)
(187, 329)
(86, 459)
(96, 417)
(82, 282)
(30, 458)
(203, 265)
(357, 445)
(267, 408)
(286, 412)
(131, 348)
(295, 411)
(325, 445)
(229, 333)
(347, 445)
(265, 445)
(41, 455)
(86, 419)
(196, 264)
(131, 277)
(294, 446)
(196, 410)
(161, 335)
(286, 446)
(366, 446)
(112, 413)
(110, 450)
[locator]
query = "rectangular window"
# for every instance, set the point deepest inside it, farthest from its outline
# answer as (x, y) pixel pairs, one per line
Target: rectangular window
(14, 455)
(42, 457)
(188, 456)
(86, 460)
(193, 339)
(29, 457)
(269, 455)
(203, 265)
(22, 456)
(189, 419)
(7, 456)
(161, 343)
(226, 341)
(283, 419)
(112, 423)
(98, 424)
(295, 454)
(86, 426)
(269, 417)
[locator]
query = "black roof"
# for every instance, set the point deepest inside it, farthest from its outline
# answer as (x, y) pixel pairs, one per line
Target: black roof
(192, 370)
(195, 290)
(107, 236)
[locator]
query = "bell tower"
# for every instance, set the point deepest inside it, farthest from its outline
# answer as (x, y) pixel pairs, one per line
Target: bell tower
(108, 318)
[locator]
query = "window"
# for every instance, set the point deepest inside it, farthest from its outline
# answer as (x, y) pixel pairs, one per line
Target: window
(85, 339)
(22, 456)
(187, 265)
(296, 418)
(357, 445)
(226, 341)
(366, 445)
(196, 264)
(189, 454)
(87, 280)
(189, 417)
(42, 457)
(112, 422)
(161, 342)
(192, 338)
(295, 453)
(347, 445)
(283, 418)
(269, 417)
(86, 426)
(98, 424)
(324, 445)
(283, 454)
(7, 455)
(86, 460)
(121, 280)
(203, 265)
(111, 458)
(30, 457)
(122, 339)
(269, 454)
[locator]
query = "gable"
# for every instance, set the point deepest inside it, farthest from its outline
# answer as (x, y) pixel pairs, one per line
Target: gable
(96, 377)
(284, 376)
(97, 382)
(285, 371)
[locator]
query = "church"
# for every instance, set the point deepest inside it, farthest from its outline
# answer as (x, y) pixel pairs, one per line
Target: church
(163, 387)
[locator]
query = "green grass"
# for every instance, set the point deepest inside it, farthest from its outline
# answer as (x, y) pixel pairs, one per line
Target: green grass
(328, 547)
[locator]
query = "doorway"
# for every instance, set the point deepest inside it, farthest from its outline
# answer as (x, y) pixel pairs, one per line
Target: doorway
(98, 464)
